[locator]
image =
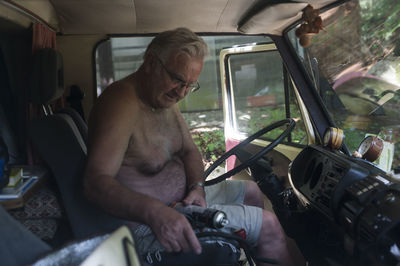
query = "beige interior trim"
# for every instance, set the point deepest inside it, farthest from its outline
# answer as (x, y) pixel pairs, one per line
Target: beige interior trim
(13, 17)
(274, 19)
(27, 13)
(306, 116)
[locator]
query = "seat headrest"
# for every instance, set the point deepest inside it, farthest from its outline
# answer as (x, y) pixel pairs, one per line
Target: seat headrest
(47, 77)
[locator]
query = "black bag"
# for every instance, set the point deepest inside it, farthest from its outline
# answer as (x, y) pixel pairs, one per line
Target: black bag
(215, 252)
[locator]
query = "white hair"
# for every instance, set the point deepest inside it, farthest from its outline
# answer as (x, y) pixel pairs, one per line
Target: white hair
(177, 40)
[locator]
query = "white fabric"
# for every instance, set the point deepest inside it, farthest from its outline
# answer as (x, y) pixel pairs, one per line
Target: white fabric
(112, 250)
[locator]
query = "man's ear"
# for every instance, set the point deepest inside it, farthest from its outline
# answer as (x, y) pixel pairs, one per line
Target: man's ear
(150, 61)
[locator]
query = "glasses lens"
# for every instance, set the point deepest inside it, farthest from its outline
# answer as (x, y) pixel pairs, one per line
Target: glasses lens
(194, 87)
(176, 80)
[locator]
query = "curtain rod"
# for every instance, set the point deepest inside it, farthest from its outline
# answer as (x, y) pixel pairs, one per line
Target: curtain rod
(27, 13)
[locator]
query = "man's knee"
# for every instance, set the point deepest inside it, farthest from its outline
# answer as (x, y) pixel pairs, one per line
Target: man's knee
(271, 228)
(253, 195)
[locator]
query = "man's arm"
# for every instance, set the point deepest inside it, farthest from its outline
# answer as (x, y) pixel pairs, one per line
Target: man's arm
(109, 135)
(194, 168)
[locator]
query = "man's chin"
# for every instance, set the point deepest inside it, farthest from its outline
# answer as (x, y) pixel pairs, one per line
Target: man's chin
(170, 100)
(166, 104)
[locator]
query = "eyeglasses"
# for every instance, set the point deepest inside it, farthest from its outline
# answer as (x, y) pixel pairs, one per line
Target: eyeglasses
(177, 80)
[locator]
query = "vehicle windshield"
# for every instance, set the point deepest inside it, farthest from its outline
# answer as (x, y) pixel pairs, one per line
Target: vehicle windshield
(354, 65)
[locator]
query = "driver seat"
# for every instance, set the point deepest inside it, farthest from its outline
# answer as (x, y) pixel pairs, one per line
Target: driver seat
(61, 142)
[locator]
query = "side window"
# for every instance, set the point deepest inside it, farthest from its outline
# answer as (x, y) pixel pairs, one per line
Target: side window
(262, 94)
(117, 57)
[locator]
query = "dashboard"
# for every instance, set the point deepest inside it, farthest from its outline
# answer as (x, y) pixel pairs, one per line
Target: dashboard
(357, 199)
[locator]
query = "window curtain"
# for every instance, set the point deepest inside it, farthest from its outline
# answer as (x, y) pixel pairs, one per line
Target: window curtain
(42, 37)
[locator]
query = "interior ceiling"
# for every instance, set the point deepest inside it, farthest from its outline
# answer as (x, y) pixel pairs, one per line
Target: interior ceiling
(151, 16)
(148, 16)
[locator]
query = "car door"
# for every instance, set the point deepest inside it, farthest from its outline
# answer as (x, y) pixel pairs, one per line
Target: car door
(257, 91)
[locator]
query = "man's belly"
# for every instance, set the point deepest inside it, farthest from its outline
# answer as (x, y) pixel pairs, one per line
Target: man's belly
(168, 185)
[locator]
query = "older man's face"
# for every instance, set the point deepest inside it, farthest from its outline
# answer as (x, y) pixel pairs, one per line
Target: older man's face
(177, 74)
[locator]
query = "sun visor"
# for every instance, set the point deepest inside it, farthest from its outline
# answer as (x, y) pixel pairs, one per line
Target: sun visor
(272, 17)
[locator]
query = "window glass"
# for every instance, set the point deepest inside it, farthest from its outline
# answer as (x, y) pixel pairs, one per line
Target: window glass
(118, 57)
(354, 65)
(259, 94)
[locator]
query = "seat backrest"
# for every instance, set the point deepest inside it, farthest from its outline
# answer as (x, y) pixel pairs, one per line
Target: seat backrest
(47, 84)
(58, 141)
(78, 121)
(47, 76)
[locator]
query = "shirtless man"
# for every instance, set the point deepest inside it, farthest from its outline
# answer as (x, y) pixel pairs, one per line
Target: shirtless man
(142, 157)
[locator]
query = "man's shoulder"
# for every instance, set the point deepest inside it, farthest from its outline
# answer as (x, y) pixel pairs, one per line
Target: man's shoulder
(118, 94)
(118, 102)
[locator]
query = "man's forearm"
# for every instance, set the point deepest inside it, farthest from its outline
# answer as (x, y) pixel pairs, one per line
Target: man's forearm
(194, 170)
(195, 194)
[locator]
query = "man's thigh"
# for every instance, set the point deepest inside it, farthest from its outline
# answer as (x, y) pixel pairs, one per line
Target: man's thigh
(244, 217)
(228, 196)
(226, 192)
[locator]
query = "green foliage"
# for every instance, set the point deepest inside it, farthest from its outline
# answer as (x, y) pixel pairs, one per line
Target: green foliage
(265, 116)
(380, 21)
(210, 143)
(353, 138)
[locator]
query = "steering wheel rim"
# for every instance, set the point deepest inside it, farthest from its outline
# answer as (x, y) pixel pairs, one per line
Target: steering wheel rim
(290, 122)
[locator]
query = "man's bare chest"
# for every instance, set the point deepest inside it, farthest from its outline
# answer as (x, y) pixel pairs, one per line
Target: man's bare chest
(154, 144)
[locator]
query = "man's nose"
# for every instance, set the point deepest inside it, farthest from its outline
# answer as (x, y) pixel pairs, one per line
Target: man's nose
(182, 90)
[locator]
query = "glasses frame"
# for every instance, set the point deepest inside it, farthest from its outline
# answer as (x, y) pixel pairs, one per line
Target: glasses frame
(195, 86)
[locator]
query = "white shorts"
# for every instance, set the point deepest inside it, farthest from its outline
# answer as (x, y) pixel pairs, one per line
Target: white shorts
(228, 196)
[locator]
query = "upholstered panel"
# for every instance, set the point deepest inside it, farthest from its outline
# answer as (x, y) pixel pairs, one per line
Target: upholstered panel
(61, 146)
(47, 77)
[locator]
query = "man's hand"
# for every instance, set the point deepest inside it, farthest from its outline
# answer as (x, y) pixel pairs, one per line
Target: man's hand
(174, 231)
(195, 197)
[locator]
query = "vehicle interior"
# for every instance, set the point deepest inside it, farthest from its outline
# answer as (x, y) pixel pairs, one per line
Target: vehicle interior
(299, 96)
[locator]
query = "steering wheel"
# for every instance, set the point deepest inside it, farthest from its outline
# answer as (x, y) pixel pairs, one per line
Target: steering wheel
(290, 125)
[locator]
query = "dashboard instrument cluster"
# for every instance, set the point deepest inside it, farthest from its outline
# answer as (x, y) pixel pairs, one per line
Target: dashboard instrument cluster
(355, 196)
